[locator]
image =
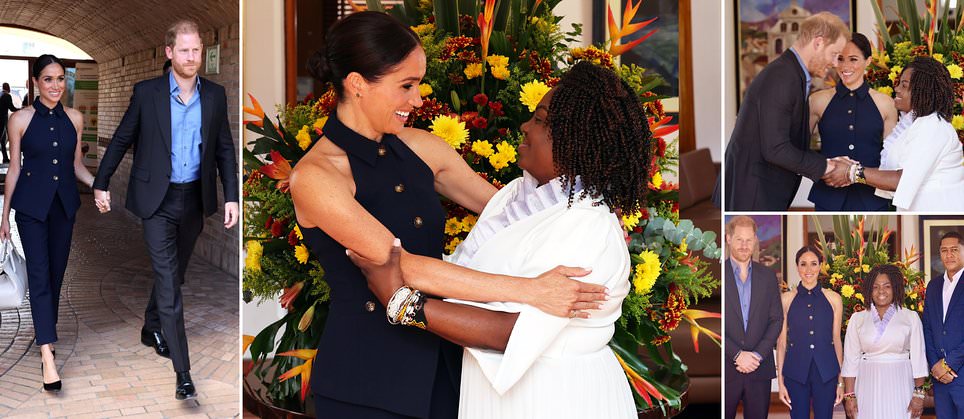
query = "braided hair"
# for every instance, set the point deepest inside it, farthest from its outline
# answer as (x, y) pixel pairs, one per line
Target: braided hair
(930, 88)
(600, 133)
(893, 274)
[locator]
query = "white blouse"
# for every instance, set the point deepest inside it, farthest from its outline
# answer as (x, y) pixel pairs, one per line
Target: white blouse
(525, 231)
(903, 338)
(930, 155)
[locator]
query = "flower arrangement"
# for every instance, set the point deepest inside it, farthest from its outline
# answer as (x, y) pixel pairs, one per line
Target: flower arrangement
(856, 250)
(931, 35)
(487, 68)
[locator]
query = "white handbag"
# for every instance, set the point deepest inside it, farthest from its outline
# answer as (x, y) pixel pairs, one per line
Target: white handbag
(13, 278)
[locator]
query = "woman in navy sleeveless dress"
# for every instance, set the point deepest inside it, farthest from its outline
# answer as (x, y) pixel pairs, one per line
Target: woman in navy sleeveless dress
(368, 181)
(43, 190)
(853, 120)
(809, 350)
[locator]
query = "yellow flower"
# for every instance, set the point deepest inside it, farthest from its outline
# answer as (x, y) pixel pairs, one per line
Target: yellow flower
(630, 221)
(301, 253)
(450, 129)
(920, 306)
(887, 90)
(252, 261)
(497, 60)
(304, 140)
(473, 70)
(532, 93)
(500, 73)
(847, 290)
(955, 71)
(298, 233)
(657, 181)
(468, 222)
(450, 248)
(646, 272)
(320, 123)
(958, 122)
(424, 89)
(939, 57)
(913, 296)
(682, 246)
(859, 296)
(894, 72)
(453, 226)
(504, 156)
(482, 148)
(857, 270)
(421, 30)
(865, 268)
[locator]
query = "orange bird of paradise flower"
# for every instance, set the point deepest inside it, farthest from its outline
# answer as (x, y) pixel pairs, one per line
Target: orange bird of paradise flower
(691, 317)
(486, 20)
(628, 28)
(932, 11)
(279, 170)
(660, 129)
(255, 110)
(640, 385)
(304, 370)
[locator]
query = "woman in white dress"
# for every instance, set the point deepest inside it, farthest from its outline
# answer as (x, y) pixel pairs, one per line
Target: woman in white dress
(585, 154)
(884, 361)
(922, 162)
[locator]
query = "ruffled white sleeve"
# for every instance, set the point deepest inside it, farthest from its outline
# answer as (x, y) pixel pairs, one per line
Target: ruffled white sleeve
(918, 355)
(578, 237)
(851, 354)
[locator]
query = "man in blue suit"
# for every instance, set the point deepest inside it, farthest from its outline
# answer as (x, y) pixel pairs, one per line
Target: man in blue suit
(944, 330)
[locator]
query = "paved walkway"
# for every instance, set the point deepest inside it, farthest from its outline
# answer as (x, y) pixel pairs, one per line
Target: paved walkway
(106, 371)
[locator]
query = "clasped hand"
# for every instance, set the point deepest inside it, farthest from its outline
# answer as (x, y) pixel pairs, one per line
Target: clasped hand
(942, 373)
(839, 174)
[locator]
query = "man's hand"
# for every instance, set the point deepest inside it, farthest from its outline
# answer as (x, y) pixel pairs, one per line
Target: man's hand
(942, 373)
(839, 175)
(383, 279)
(231, 214)
(746, 362)
(102, 200)
(555, 293)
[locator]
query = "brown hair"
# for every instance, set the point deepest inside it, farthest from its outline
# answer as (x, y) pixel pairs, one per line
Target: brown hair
(824, 24)
(179, 27)
(740, 221)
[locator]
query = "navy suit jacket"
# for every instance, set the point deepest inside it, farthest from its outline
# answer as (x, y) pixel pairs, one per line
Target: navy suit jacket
(763, 327)
(944, 339)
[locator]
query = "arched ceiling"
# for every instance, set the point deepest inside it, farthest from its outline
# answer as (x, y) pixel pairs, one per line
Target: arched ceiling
(108, 29)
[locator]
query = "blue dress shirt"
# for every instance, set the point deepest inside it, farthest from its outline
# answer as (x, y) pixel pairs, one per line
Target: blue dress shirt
(743, 289)
(806, 73)
(185, 134)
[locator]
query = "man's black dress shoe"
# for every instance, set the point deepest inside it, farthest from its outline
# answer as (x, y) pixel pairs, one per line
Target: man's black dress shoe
(156, 341)
(185, 387)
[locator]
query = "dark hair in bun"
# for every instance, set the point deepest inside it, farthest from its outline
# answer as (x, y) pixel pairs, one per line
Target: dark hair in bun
(368, 43)
(43, 61)
(862, 44)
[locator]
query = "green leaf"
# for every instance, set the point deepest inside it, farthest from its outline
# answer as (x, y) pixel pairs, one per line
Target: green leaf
(375, 5)
(456, 102)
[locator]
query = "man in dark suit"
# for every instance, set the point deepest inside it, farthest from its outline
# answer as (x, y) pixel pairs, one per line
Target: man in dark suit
(944, 330)
(754, 317)
(6, 104)
(769, 147)
(185, 117)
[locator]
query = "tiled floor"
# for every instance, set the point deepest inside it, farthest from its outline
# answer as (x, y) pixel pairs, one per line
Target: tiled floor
(106, 371)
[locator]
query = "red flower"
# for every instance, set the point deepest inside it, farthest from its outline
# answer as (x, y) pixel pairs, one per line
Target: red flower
(268, 223)
(276, 228)
(496, 108)
(468, 116)
(660, 147)
(503, 132)
(293, 238)
(480, 99)
(480, 122)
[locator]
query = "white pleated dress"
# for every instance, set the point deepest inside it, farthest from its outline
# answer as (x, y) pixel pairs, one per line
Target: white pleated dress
(884, 365)
(927, 150)
(553, 367)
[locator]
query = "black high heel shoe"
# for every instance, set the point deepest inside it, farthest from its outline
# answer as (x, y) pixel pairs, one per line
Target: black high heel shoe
(51, 387)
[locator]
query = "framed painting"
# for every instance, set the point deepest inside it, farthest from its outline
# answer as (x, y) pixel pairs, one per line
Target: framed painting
(932, 227)
(771, 252)
(767, 28)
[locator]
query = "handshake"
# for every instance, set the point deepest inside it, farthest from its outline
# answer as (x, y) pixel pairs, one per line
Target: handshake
(841, 172)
